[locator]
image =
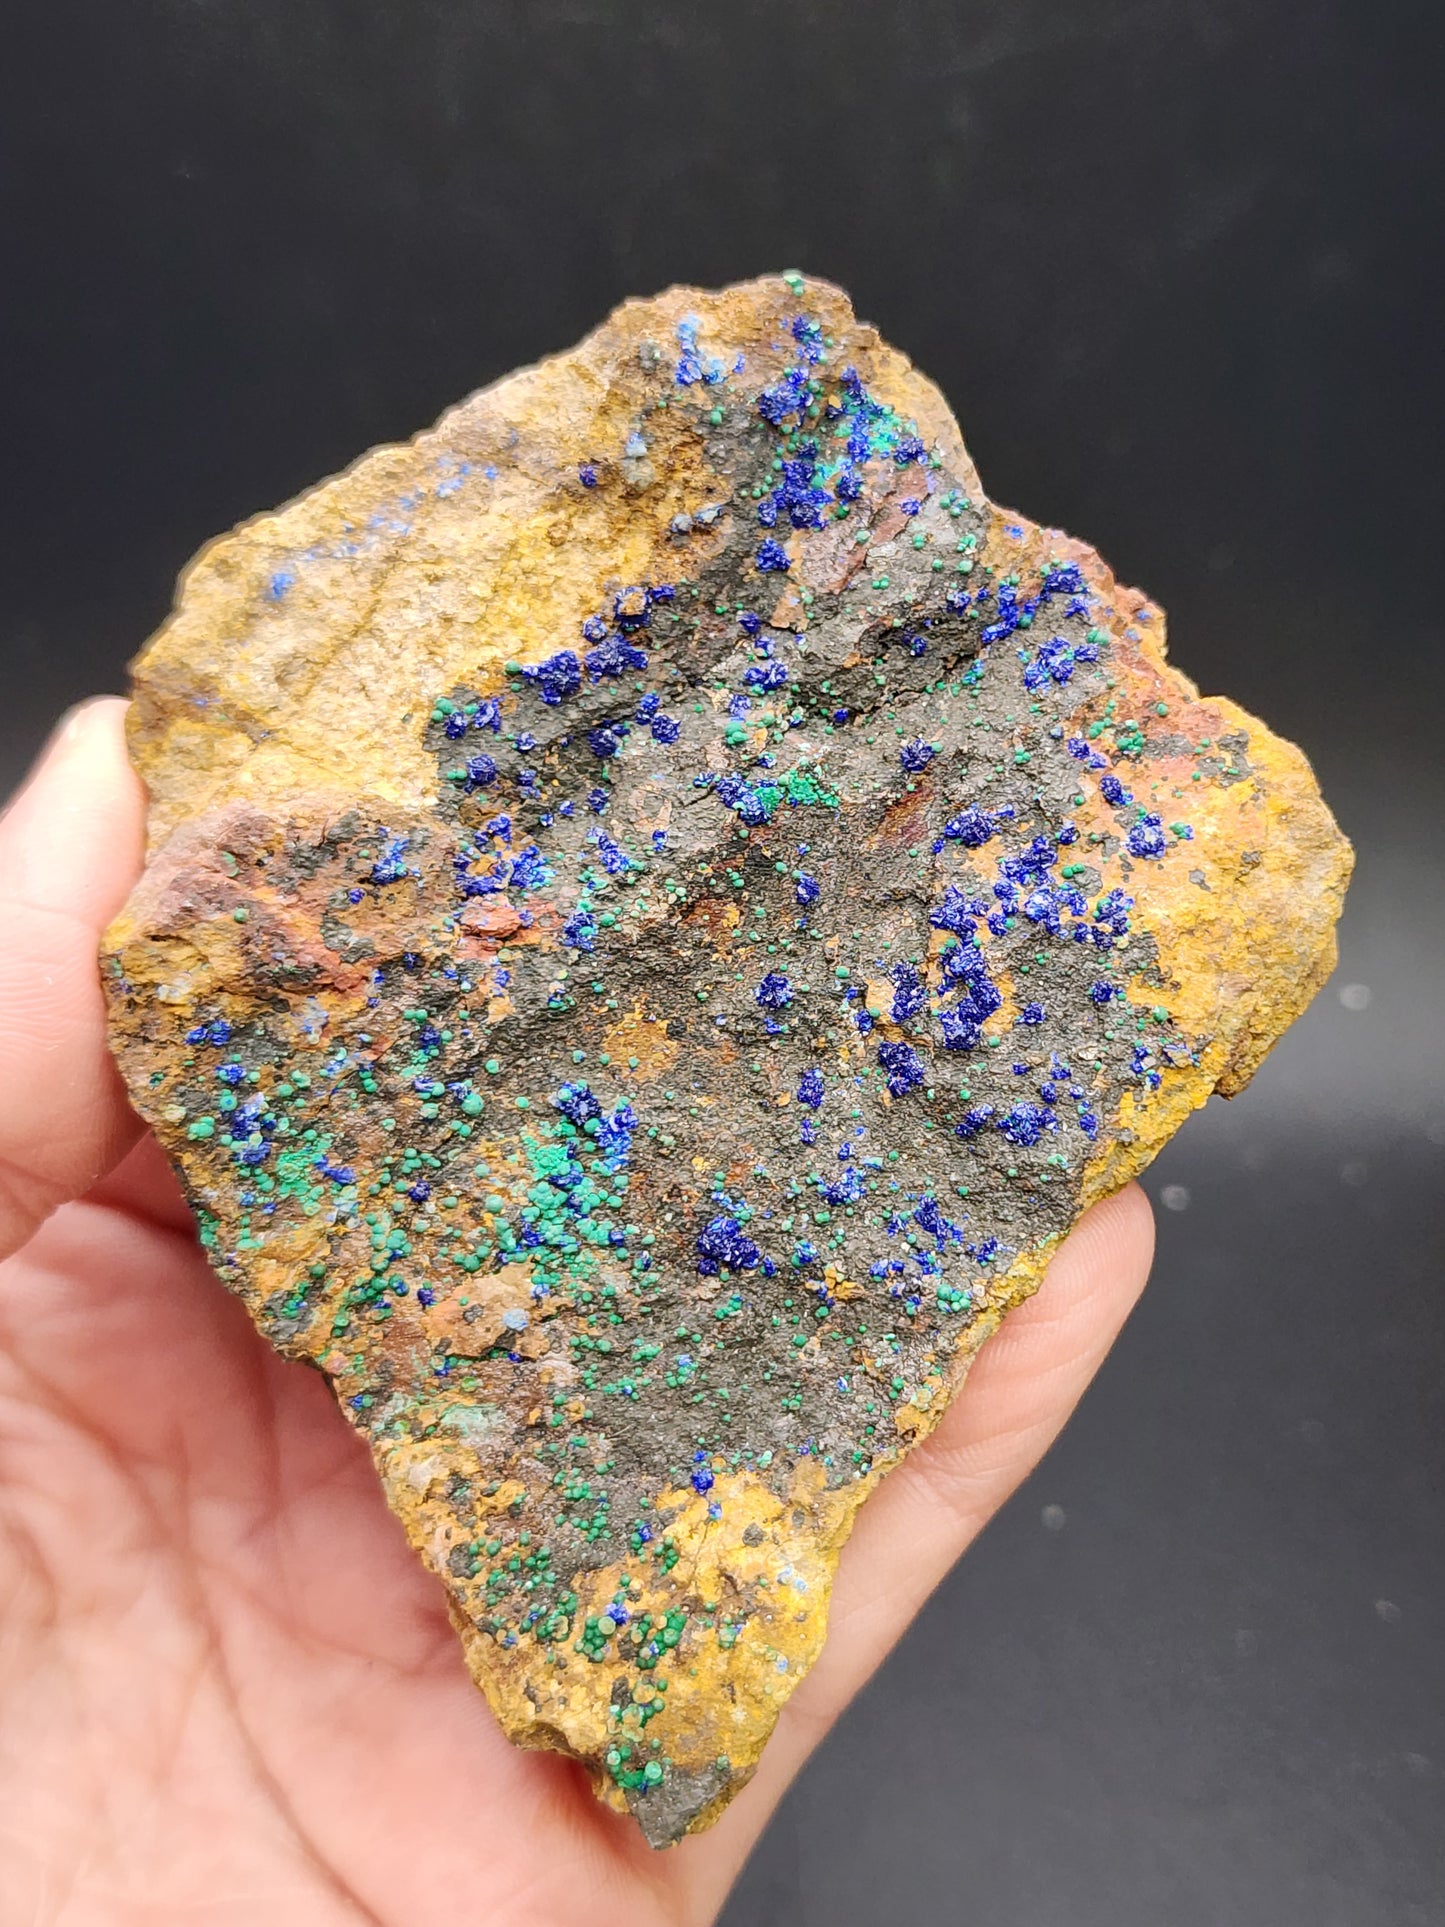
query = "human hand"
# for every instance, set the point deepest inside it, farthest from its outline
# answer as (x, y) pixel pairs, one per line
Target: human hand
(228, 1690)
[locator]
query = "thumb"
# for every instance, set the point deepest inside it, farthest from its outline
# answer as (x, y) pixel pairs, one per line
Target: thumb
(1023, 1386)
(71, 845)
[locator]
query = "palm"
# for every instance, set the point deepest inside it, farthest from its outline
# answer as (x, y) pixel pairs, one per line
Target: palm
(218, 1630)
(227, 1688)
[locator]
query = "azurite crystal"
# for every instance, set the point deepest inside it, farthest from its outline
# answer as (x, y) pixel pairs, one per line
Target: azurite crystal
(664, 905)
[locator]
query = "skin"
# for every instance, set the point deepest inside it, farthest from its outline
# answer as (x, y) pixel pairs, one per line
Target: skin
(228, 1691)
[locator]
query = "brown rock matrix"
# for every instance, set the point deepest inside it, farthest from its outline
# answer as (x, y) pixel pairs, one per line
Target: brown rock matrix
(664, 905)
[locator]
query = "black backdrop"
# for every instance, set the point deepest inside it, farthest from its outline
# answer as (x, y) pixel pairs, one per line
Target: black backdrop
(1177, 264)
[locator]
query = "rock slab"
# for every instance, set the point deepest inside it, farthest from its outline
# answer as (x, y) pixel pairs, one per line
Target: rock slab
(664, 904)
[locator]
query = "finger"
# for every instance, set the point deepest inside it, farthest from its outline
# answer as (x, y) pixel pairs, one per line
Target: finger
(71, 845)
(1026, 1381)
(144, 1183)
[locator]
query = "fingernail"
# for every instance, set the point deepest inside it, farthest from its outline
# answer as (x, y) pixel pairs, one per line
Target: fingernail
(74, 726)
(69, 735)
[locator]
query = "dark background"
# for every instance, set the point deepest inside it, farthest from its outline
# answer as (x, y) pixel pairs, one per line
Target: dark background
(1177, 264)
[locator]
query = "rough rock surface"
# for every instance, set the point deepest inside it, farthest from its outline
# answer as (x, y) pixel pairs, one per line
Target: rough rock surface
(664, 904)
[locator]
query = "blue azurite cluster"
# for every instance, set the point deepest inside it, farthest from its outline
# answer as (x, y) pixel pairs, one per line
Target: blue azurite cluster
(751, 1002)
(856, 1027)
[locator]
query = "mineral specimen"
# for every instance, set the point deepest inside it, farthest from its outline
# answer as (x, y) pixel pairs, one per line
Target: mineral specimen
(664, 905)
